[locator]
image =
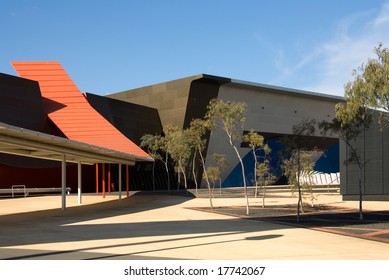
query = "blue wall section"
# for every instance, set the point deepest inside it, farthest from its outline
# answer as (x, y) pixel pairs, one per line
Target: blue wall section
(327, 163)
(329, 160)
(235, 177)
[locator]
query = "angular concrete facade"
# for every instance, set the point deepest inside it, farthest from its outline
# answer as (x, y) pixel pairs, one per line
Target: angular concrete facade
(170, 99)
(271, 111)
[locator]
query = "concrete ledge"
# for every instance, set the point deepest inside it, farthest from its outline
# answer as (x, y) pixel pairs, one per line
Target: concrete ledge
(366, 197)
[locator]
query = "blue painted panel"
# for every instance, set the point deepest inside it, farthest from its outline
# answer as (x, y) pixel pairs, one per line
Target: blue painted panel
(235, 177)
(329, 161)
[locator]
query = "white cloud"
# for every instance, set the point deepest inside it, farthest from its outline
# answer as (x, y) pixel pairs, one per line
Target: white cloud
(353, 44)
(383, 18)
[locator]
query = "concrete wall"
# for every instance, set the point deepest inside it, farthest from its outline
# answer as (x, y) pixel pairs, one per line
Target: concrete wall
(373, 146)
(271, 110)
(21, 104)
(268, 111)
(169, 98)
(132, 120)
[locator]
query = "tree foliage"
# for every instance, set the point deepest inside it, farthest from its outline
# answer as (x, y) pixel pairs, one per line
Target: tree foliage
(256, 143)
(178, 147)
(196, 134)
(371, 86)
(299, 168)
(298, 145)
(230, 117)
(214, 174)
(265, 176)
(222, 164)
(152, 144)
(368, 90)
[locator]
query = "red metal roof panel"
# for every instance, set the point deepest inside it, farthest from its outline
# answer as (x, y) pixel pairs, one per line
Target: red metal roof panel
(68, 108)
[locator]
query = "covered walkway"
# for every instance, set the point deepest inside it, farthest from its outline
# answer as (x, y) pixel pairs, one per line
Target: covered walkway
(75, 132)
(25, 142)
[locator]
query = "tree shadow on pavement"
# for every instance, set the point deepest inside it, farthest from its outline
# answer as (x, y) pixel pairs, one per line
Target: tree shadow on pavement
(85, 223)
(338, 220)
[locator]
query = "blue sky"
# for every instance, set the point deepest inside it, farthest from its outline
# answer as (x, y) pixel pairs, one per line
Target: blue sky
(111, 46)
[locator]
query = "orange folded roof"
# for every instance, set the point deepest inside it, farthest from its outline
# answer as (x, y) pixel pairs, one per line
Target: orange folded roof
(68, 108)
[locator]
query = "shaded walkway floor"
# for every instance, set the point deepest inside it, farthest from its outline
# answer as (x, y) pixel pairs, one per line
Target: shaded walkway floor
(162, 227)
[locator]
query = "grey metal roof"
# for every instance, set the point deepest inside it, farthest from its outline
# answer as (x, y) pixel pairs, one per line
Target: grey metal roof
(287, 90)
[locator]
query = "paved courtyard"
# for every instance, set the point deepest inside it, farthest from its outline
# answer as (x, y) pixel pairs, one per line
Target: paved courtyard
(169, 227)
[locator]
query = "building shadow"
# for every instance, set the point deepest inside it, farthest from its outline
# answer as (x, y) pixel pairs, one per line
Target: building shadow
(73, 225)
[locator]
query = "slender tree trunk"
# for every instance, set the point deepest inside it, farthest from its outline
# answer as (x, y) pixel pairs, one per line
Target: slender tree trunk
(206, 179)
(183, 174)
(360, 167)
(167, 173)
(220, 186)
(255, 172)
(153, 175)
(194, 172)
(298, 186)
(360, 193)
(264, 192)
(178, 178)
(310, 187)
(244, 178)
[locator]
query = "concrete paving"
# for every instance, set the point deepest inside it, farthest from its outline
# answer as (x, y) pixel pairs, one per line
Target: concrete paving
(164, 227)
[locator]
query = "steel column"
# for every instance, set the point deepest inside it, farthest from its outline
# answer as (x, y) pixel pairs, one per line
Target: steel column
(79, 182)
(120, 181)
(127, 181)
(109, 178)
(63, 181)
(97, 178)
(103, 179)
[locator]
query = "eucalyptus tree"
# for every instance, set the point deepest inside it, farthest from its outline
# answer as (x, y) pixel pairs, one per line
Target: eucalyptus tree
(265, 176)
(369, 90)
(222, 164)
(230, 117)
(194, 173)
(371, 84)
(178, 147)
(256, 144)
(196, 136)
(298, 168)
(163, 146)
(298, 147)
(214, 174)
(352, 118)
(348, 130)
(152, 144)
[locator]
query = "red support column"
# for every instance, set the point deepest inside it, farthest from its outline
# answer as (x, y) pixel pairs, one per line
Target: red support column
(97, 178)
(103, 179)
(127, 181)
(109, 178)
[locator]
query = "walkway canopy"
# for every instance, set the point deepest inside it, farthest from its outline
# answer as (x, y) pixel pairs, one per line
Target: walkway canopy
(25, 142)
(83, 135)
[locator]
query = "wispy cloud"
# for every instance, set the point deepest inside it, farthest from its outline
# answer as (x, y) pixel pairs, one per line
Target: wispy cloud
(353, 44)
